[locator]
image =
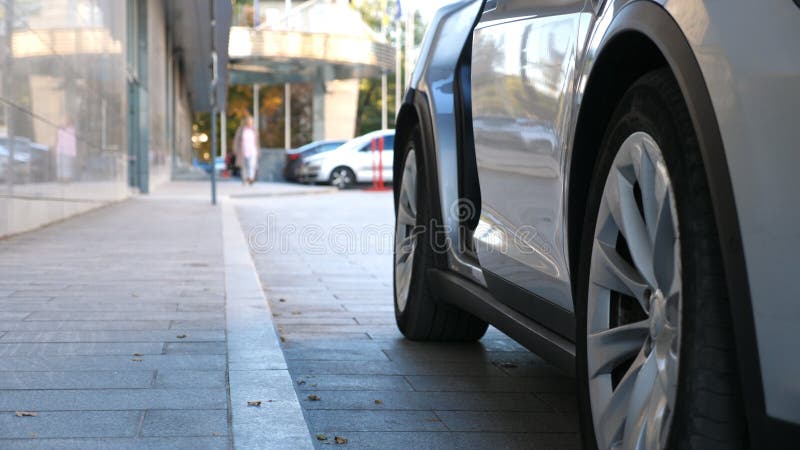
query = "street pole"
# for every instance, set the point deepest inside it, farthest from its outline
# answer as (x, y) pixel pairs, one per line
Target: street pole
(256, 91)
(398, 67)
(287, 95)
(287, 129)
(384, 81)
(384, 109)
(256, 123)
(213, 152)
(213, 100)
(409, 44)
(223, 131)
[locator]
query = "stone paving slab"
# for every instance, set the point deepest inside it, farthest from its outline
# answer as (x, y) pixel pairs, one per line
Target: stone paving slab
(196, 422)
(128, 362)
(436, 440)
(86, 325)
(391, 420)
(77, 380)
(112, 330)
(256, 366)
(116, 336)
(111, 399)
(159, 443)
(429, 401)
(71, 424)
(334, 311)
(186, 379)
(81, 348)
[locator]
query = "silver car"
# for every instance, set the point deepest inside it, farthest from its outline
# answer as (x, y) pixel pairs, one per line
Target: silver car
(363, 159)
(614, 185)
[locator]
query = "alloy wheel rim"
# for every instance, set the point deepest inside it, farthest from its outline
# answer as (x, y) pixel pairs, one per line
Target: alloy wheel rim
(405, 242)
(341, 178)
(634, 302)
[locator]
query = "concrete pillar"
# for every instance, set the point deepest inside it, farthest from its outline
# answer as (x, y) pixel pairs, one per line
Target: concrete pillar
(384, 109)
(341, 108)
(318, 111)
(287, 110)
(409, 45)
(223, 132)
(398, 69)
(256, 121)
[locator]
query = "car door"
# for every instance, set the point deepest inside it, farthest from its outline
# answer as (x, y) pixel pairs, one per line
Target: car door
(387, 157)
(370, 156)
(364, 162)
(521, 108)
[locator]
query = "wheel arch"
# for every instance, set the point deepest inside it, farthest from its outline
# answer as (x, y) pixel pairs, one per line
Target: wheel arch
(416, 111)
(407, 117)
(647, 27)
(612, 74)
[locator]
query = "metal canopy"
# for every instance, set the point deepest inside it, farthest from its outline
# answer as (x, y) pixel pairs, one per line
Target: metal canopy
(318, 41)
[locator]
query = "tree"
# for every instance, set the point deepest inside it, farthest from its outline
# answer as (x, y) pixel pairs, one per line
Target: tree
(368, 117)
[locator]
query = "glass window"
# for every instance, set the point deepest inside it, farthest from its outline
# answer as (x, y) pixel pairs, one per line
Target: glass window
(388, 142)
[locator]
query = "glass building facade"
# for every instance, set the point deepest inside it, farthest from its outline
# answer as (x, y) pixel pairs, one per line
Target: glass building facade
(94, 105)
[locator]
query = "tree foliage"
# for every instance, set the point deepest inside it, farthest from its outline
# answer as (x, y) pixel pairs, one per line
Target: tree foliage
(368, 117)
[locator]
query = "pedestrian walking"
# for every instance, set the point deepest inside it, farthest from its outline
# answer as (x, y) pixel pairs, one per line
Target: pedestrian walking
(245, 148)
(66, 150)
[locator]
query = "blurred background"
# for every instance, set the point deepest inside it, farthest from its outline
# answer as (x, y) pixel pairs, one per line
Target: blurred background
(104, 99)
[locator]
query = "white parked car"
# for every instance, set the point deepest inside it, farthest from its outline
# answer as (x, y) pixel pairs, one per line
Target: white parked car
(353, 162)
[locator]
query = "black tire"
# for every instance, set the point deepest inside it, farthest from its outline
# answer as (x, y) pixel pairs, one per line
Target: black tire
(709, 411)
(426, 317)
(349, 177)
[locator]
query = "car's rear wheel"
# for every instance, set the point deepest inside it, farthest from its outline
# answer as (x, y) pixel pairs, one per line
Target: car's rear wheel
(342, 177)
(419, 313)
(656, 356)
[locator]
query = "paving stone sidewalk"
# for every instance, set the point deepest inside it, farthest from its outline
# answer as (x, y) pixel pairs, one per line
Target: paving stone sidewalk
(112, 330)
(113, 334)
(325, 262)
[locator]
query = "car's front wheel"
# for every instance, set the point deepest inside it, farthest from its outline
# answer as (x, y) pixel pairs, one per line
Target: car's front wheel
(342, 177)
(656, 357)
(420, 314)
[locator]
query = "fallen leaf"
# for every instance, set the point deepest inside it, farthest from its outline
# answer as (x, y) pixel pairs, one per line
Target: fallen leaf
(282, 300)
(339, 440)
(321, 437)
(378, 402)
(275, 315)
(507, 365)
(180, 336)
(215, 433)
(136, 359)
(283, 339)
(301, 381)
(26, 414)
(313, 397)
(137, 354)
(254, 403)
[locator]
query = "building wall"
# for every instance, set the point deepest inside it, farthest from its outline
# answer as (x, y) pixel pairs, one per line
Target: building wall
(340, 109)
(64, 109)
(158, 148)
